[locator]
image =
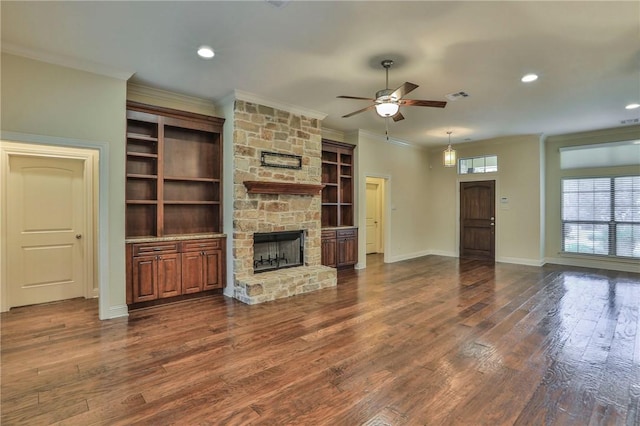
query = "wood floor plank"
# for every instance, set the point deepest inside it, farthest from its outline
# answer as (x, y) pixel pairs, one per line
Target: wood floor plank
(429, 341)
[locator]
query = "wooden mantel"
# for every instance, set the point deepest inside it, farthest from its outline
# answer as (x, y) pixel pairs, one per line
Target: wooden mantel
(287, 188)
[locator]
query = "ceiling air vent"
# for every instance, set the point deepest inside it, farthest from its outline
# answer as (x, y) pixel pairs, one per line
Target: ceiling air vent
(457, 95)
(278, 3)
(630, 121)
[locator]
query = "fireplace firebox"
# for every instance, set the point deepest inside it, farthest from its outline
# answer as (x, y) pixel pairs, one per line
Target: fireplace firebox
(277, 250)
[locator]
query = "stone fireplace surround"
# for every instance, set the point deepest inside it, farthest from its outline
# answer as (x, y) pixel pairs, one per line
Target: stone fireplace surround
(260, 128)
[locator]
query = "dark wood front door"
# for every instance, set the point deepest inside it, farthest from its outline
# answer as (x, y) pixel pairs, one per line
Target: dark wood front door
(477, 220)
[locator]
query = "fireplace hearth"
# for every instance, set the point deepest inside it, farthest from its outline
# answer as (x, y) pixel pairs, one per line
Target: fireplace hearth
(277, 250)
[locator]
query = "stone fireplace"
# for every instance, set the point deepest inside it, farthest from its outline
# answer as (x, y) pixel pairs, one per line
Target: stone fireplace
(276, 199)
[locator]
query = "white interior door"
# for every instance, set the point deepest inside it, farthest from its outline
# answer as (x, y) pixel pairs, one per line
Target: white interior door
(46, 227)
(373, 218)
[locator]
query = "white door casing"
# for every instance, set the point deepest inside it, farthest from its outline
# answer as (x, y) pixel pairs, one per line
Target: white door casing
(42, 258)
(373, 218)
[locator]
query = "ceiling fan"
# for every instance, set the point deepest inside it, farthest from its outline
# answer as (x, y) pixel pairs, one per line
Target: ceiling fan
(387, 102)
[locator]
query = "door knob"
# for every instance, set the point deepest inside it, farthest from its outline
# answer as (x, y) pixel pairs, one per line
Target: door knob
(78, 236)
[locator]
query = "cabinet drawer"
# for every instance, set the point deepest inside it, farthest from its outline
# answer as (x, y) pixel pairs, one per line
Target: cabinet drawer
(345, 233)
(199, 245)
(155, 248)
(329, 234)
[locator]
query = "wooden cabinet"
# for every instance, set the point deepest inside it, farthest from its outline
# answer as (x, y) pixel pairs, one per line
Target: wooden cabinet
(145, 279)
(155, 271)
(337, 176)
(339, 240)
(202, 265)
(339, 247)
(168, 269)
(328, 248)
(173, 172)
(168, 275)
(347, 247)
(173, 188)
(192, 272)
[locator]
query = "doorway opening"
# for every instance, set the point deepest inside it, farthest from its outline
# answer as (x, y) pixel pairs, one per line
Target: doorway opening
(374, 215)
(50, 200)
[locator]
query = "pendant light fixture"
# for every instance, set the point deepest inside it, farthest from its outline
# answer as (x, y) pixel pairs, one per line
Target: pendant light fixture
(449, 154)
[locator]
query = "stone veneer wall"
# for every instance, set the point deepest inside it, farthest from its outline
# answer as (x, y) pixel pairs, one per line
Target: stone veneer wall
(260, 128)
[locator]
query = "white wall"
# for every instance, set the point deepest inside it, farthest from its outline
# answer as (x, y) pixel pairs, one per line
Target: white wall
(518, 226)
(406, 170)
(50, 100)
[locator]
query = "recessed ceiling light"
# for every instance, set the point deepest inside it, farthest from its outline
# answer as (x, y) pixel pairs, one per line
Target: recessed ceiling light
(206, 52)
(632, 106)
(529, 78)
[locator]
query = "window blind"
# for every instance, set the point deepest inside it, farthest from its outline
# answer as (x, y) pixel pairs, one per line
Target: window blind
(601, 216)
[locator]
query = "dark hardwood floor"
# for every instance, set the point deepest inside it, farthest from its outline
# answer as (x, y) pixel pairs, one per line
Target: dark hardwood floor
(433, 341)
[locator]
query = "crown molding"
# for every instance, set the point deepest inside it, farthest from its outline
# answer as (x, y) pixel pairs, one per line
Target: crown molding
(66, 61)
(172, 97)
(332, 134)
(257, 99)
(620, 133)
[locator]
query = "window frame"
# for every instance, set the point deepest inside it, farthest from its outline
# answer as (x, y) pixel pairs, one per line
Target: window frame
(475, 157)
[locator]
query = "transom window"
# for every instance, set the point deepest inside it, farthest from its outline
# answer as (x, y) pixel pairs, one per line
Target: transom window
(484, 164)
(601, 216)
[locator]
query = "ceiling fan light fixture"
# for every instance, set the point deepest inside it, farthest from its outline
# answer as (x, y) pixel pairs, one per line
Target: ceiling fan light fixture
(449, 154)
(388, 101)
(387, 109)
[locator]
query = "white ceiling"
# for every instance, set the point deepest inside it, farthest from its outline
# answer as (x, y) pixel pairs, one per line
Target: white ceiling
(306, 53)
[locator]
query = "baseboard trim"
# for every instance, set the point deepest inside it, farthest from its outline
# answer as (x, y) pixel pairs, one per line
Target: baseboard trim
(117, 312)
(408, 256)
(443, 253)
(228, 291)
(521, 261)
(595, 264)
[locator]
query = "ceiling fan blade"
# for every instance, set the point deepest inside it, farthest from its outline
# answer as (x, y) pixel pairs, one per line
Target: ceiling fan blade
(403, 90)
(398, 116)
(417, 102)
(356, 97)
(359, 111)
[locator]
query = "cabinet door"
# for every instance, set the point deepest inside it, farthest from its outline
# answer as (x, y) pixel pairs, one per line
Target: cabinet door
(347, 251)
(169, 275)
(212, 269)
(328, 252)
(192, 272)
(145, 279)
